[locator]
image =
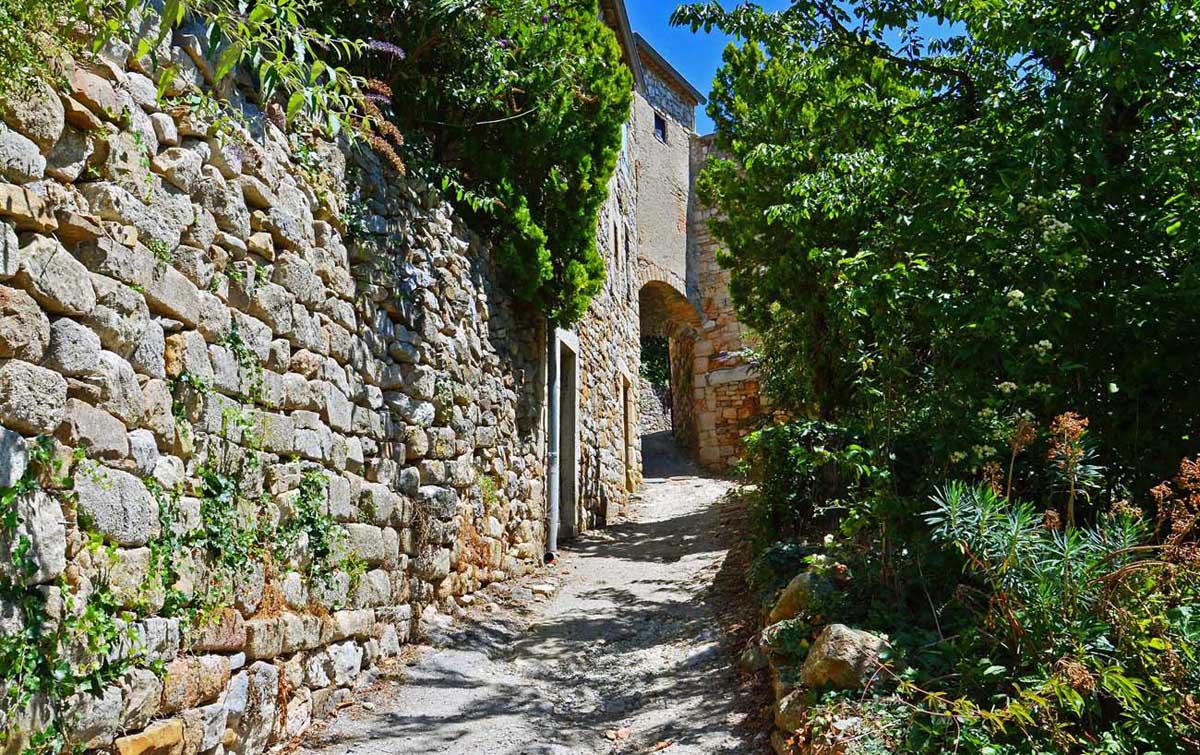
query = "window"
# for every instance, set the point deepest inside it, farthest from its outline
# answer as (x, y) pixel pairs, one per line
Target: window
(660, 128)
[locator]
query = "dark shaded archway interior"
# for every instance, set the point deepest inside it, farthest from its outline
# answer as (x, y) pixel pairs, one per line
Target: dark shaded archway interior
(666, 313)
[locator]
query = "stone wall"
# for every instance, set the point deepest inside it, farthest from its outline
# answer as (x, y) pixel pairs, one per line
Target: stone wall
(610, 449)
(725, 381)
(253, 447)
(663, 188)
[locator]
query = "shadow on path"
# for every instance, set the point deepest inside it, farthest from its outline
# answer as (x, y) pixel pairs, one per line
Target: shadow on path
(629, 656)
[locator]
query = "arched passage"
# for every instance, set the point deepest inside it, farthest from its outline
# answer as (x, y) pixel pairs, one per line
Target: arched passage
(668, 318)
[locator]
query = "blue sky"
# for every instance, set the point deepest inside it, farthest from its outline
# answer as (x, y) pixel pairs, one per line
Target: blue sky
(696, 56)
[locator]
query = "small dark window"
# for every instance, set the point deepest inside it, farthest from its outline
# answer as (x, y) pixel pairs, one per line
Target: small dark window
(660, 128)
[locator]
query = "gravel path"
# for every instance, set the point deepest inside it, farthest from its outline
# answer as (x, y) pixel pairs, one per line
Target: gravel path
(628, 657)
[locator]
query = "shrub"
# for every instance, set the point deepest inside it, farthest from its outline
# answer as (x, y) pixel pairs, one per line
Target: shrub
(516, 108)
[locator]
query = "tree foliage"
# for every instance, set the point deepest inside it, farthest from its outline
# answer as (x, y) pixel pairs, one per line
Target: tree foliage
(519, 104)
(933, 233)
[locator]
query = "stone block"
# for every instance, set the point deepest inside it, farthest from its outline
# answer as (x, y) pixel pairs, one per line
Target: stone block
(170, 293)
(116, 504)
(118, 389)
(92, 721)
(187, 353)
(32, 399)
(223, 633)
(121, 316)
(21, 161)
(74, 350)
(142, 694)
(58, 281)
(24, 328)
(26, 210)
(14, 458)
(149, 355)
(41, 530)
(99, 433)
(160, 738)
(264, 638)
(36, 112)
(366, 542)
(192, 681)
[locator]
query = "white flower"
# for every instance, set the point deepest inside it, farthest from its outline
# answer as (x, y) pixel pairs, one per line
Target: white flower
(1016, 298)
(828, 540)
(817, 559)
(957, 456)
(1043, 347)
(1007, 387)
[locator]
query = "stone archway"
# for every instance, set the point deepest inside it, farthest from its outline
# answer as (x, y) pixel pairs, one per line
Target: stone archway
(664, 312)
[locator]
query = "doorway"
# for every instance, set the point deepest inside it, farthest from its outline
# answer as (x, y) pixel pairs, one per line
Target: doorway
(568, 437)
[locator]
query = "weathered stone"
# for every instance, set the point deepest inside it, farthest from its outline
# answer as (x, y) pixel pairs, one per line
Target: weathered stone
(256, 711)
(58, 281)
(157, 639)
(129, 580)
(40, 525)
(187, 353)
(346, 661)
(290, 219)
(149, 355)
(223, 633)
(169, 292)
(20, 159)
(26, 210)
(116, 504)
(126, 164)
(191, 681)
(92, 721)
(121, 316)
(70, 156)
(264, 638)
(143, 698)
(129, 264)
(24, 329)
(161, 220)
(160, 738)
(179, 166)
(440, 502)
(366, 542)
(143, 451)
(96, 94)
(32, 399)
(119, 393)
(100, 434)
(14, 458)
(800, 596)
(842, 658)
(74, 349)
(37, 113)
(158, 405)
(10, 251)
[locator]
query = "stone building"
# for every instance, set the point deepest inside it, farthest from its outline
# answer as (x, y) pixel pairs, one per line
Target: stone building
(261, 447)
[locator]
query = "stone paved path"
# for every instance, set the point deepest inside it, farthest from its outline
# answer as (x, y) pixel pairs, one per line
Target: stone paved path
(628, 657)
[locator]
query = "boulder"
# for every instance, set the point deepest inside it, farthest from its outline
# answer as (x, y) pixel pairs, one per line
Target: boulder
(143, 697)
(799, 597)
(842, 658)
(70, 155)
(26, 210)
(121, 316)
(24, 328)
(92, 721)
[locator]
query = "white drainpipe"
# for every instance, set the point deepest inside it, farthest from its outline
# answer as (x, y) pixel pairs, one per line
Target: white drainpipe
(552, 442)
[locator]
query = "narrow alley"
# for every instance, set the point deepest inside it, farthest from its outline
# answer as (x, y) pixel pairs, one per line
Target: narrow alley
(628, 657)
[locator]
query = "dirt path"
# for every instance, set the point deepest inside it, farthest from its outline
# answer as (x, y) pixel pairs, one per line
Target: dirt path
(628, 657)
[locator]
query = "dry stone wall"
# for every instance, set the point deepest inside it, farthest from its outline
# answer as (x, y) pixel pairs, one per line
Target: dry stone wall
(248, 446)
